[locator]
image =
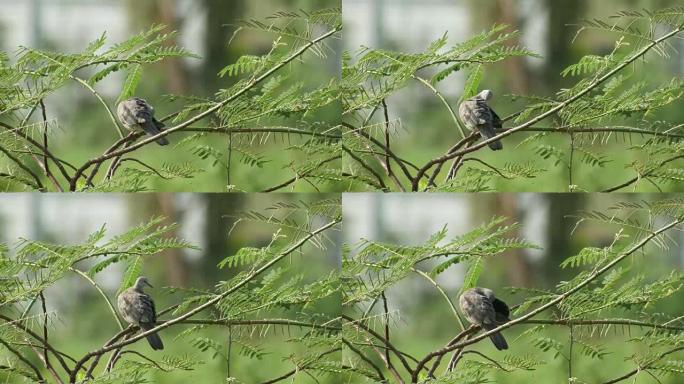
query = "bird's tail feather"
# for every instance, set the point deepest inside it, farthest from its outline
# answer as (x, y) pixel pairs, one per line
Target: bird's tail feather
(488, 133)
(497, 338)
(152, 128)
(153, 339)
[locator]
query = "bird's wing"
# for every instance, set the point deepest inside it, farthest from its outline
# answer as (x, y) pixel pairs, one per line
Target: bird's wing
(129, 306)
(488, 312)
(154, 311)
(496, 120)
(145, 308)
(502, 311)
(477, 308)
(475, 112)
(482, 112)
(142, 111)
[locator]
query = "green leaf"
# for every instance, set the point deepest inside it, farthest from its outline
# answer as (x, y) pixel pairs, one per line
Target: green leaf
(131, 274)
(473, 274)
(473, 83)
(131, 83)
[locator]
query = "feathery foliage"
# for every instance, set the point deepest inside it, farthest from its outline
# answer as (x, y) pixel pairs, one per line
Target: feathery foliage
(263, 296)
(268, 102)
(612, 102)
(608, 299)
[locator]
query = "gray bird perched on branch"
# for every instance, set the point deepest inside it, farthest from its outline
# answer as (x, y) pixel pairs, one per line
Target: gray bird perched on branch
(136, 113)
(482, 308)
(476, 114)
(137, 308)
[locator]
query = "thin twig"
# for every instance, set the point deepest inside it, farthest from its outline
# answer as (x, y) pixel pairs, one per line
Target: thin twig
(592, 276)
(370, 169)
(209, 303)
(645, 175)
(302, 175)
(381, 377)
(26, 361)
(251, 84)
(546, 114)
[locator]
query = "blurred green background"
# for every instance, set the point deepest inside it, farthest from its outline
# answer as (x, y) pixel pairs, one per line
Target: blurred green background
(81, 321)
(424, 129)
(82, 128)
(422, 322)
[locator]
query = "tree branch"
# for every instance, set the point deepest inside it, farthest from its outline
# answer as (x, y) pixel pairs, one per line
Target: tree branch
(551, 303)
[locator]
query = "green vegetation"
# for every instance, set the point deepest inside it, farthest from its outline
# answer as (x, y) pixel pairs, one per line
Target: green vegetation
(273, 315)
(616, 128)
(616, 317)
(267, 130)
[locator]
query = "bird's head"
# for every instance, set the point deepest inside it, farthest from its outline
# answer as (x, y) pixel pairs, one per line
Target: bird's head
(486, 95)
(141, 282)
(486, 292)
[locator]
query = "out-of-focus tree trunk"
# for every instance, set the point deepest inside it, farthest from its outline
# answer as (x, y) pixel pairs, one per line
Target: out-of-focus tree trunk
(220, 17)
(145, 13)
(483, 14)
(219, 220)
(560, 52)
(171, 261)
(517, 78)
(175, 265)
(176, 74)
(561, 207)
(517, 271)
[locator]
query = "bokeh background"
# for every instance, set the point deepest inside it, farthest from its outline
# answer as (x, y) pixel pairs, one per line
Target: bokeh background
(422, 322)
(424, 129)
(80, 320)
(82, 128)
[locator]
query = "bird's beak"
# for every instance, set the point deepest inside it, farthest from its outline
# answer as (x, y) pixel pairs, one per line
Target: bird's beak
(148, 284)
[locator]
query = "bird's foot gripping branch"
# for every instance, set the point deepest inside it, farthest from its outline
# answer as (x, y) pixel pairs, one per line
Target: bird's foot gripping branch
(265, 310)
(399, 302)
(266, 120)
(614, 106)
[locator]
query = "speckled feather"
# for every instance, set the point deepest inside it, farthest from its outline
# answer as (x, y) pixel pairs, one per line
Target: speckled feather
(482, 308)
(136, 113)
(137, 307)
(477, 114)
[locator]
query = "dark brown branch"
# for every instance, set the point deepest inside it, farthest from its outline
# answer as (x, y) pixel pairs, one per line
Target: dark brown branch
(26, 361)
(25, 329)
(381, 378)
(387, 137)
(592, 276)
(207, 304)
(254, 82)
(301, 176)
(359, 132)
(46, 165)
(387, 332)
(642, 367)
(57, 161)
(24, 168)
(463, 334)
(370, 169)
(387, 343)
(146, 358)
(45, 331)
(298, 369)
(645, 175)
(546, 114)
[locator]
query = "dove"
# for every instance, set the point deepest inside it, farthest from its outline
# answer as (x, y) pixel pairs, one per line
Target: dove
(476, 114)
(482, 308)
(136, 113)
(137, 308)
